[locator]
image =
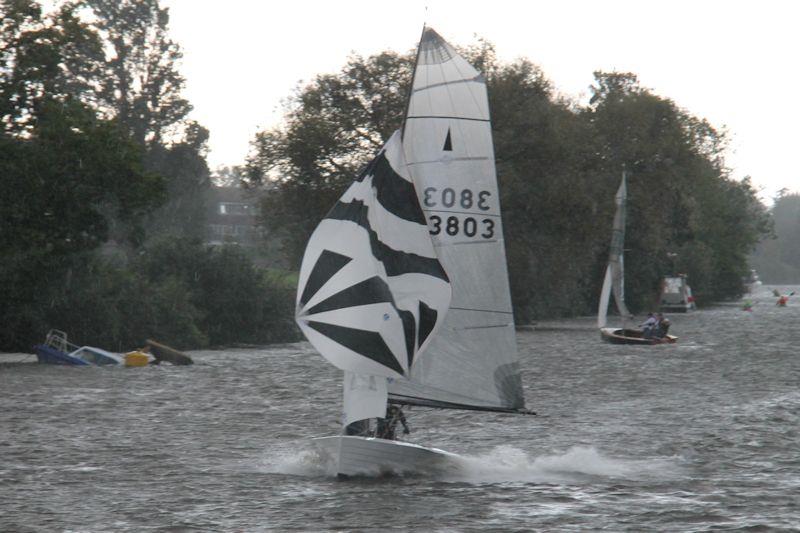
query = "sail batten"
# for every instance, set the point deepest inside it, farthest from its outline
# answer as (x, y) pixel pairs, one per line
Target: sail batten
(446, 117)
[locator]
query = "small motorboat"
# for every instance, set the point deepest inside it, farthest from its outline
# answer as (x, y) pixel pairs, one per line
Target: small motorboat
(56, 350)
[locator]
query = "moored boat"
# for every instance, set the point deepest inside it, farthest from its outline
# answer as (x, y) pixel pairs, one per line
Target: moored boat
(676, 295)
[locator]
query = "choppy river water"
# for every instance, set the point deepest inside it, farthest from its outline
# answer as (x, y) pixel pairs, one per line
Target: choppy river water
(698, 436)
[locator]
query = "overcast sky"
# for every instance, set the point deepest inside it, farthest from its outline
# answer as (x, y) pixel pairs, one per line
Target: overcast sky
(733, 63)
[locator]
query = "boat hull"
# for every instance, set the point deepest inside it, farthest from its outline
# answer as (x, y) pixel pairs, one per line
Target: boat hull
(372, 457)
(85, 355)
(632, 336)
(50, 356)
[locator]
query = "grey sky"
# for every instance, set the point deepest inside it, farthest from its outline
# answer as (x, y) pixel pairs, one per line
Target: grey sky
(733, 63)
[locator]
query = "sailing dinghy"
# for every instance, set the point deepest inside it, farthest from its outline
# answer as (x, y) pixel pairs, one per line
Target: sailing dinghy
(614, 282)
(404, 284)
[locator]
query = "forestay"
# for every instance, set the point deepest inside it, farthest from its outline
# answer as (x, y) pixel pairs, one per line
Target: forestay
(614, 281)
(371, 290)
(472, 361)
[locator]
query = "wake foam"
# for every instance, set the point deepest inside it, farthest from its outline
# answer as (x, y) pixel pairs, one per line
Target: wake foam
(578, 464)
(310, 462)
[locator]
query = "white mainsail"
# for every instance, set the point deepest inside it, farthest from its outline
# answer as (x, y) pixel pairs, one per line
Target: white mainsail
(371, 291)
(614, 282)
(472, 362)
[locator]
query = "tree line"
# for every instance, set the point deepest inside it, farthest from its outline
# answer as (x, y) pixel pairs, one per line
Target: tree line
(103, 178)
(559, 164)
(102, 185)
(777, 259)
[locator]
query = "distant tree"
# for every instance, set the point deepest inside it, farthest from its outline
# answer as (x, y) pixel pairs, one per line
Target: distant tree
(142, 89)
(71, 179)
(44, 58)
(558, 165)
(332, 127)
(142, 86)
(681, 199)
(777, 259)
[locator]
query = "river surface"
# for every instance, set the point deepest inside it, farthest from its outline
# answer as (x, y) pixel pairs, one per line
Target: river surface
(698, 436)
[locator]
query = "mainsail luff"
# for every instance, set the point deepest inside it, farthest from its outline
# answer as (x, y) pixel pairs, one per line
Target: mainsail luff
(472, 362)
(614, 281)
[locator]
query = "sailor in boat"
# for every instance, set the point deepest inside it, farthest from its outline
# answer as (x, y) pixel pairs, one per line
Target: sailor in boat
(662, 326)
(387, 427)
(649, 326)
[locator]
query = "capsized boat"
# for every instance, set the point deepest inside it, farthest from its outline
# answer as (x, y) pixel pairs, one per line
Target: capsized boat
(404, 284)
(56, 350)
(614, 283)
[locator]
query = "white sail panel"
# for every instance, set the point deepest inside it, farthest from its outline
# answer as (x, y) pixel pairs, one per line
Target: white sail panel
(364, 397)
(614, 281)
(605, 296)
(472, 362)
(355, 299)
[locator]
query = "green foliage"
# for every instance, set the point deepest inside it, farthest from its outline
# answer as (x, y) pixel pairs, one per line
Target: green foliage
(777, 259)
(141, 85)
(94, 138)
(558, 164)
(332, 128)
(237, 302)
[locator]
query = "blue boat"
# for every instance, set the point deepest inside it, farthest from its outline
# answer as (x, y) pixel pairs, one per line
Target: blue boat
(56, 350)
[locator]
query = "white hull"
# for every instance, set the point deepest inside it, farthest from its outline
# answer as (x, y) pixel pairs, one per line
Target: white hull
(367, 456)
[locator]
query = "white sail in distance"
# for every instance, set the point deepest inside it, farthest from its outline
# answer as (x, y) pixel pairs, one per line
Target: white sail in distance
(371, 290)
(472, 362)
(614, 281)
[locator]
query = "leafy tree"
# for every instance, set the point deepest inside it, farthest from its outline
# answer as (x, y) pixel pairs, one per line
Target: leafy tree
(681, 200)
(778, 259)
(142, 89)
(44, 58)
(332, 127)
(237, 302)
(142, 85)
(559, 165)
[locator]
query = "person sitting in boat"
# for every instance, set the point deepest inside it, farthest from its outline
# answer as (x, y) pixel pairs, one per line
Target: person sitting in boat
(662, 326)
(387, 427)
(648, 326)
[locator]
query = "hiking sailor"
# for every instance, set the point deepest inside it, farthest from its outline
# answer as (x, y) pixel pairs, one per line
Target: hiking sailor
(387, 426)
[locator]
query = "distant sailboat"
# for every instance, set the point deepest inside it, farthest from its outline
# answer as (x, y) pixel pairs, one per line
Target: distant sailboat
(614, 282)
(404, 284)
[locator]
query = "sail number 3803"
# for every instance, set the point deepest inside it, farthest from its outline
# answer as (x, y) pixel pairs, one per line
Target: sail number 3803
(469, 226)
(454, 225)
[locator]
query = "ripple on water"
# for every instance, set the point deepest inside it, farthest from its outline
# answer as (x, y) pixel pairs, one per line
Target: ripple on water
(696, 436)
